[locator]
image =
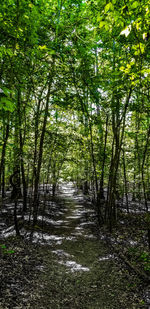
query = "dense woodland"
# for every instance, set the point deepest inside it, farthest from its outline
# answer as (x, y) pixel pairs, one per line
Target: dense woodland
(75, 108)
(74, 99)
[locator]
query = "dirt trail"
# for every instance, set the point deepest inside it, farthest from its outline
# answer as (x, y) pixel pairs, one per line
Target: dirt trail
(74, 268)
(78, 270)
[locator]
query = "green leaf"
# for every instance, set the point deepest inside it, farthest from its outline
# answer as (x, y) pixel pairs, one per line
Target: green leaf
(108, 7)
(101, 24)
(10, 251)
(6, 91)
(135, 4)
(31, 5)
(7, 104)
(52, 52)
(42, 47)
(3, 246)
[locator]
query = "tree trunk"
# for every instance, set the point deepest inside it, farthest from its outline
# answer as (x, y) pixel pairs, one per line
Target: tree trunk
(118, 134)
(125, 181)
(2, 163)
(103, 164)
(21, 153)
(143, 162)
(36, 133)
(37, 177)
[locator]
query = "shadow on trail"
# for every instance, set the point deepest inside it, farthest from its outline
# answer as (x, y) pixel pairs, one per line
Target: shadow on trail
(78, 270)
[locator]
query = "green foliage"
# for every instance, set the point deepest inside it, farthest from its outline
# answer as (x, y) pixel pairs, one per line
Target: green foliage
(145, 258)
(7, 105)
(147, 218)
(92, 53)
(4, 250)
(3, 246)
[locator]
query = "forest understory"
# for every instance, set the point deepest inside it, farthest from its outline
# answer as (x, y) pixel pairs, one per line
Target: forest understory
(74, 154)
(69, 261)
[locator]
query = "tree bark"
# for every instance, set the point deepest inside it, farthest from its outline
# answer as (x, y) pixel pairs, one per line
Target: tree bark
(143, 162)
(103, 164)
(21, 153)
(125, 180)
(118, 134)
(2, 163)
(37, 177)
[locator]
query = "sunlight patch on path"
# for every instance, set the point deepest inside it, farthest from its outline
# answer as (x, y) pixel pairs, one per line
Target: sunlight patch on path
(74, 266)
(69, 263)
(61, 253)
(46, 238)
(107, 257)
(7, 232)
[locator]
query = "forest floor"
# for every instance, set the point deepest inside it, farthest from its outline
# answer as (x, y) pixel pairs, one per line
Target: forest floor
(67, 262)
